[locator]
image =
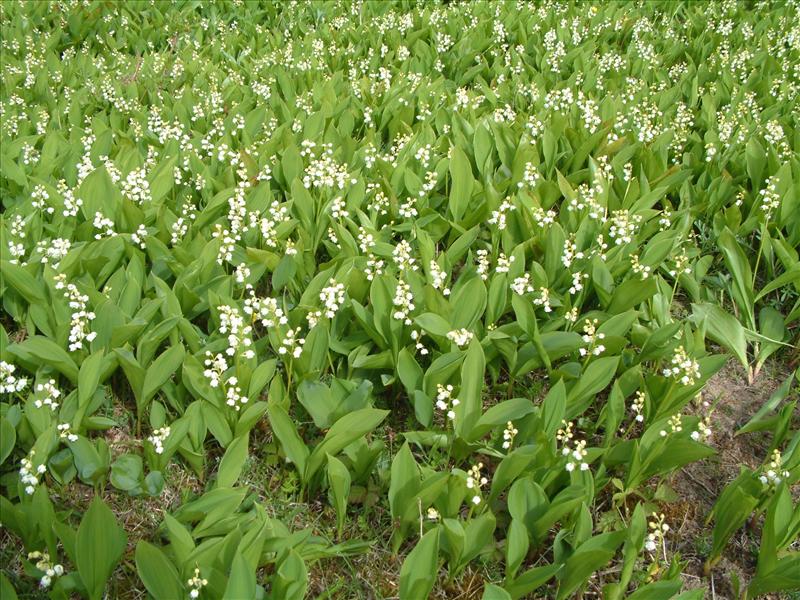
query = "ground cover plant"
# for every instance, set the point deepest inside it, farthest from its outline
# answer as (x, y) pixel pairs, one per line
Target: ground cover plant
(398, 299)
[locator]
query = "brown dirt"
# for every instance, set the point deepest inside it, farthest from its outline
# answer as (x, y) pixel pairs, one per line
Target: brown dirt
(733, 401)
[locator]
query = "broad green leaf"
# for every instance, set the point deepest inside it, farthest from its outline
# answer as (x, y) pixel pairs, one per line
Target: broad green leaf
(339, 489)
(590, 556)
(285, 431)
(739, 268)
(419, 570)
(161, 370)
(631, 293)
(594, 379)
(98, 547)
(461, 183)
(723, 328)
(41, 351)
(241, 581)
(230, 467)
(470, 395)
(344, 432)
(157, 572)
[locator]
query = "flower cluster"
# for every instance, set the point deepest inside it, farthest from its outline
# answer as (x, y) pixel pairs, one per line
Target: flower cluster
(233, 394)
(637, 406)
(623, 226)
(439, 277)
(675, 424)
(639, 268)
(483, 263)
(266, 310)
(499, 216)
(216, 365)
(80, 318)
(703, 432)
(475, 481)
(323, 171)
(590, 338)
(104, 224)
(460, 337)
(522, 285)
(509, 433)
(65, 433)
(543, 299)
(46, 566)
(49, 395)
(196, 584)
(53, 251)
(10, 383)
(575, 451)
(29, 473)
(158, 437)
(291, 344)
(403, 302)
(374, 267)
(332, 297)
(445, 401)
(232, 324)
(658, 529)
(773, 472)
(770, 198)
(681, 266)
(403, 256)
(683, 368)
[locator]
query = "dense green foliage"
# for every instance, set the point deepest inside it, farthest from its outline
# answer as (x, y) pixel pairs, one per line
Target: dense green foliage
(475, 261)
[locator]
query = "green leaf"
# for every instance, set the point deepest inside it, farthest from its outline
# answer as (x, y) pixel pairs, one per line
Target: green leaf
(769, 406)
(161, 370)
(339, 489)
(418, 573)
(500, 414)
(24, 283)
(594, 379)
(554, 408)
(495, 592)
(126, 472)
(469, 303)
(291, 580)
(433, 324)
(732, 509)
(344, 432)
(88, 380)
(461, 183)
(8, 438)
(98, 547)
(404, 481)
(658, 590)
(517, 545)
(590, 556)
(7, 591)
(790, 276)
(632, 293)
(739, 268)
(241, 581)
(157, 572)
(41, 351)
(285, 431)
(531, 580)
(784, 577)
(723, 328)
(472, 371)
(230, 467)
